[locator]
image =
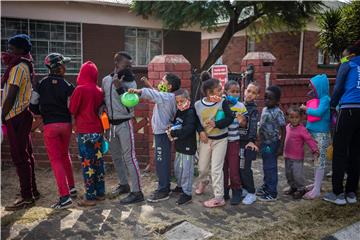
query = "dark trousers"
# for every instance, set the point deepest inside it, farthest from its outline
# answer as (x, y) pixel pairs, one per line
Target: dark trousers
(231, 166)
(346, 151)
(19, 128)
(269, 156)
(246, 173)
(163, 161)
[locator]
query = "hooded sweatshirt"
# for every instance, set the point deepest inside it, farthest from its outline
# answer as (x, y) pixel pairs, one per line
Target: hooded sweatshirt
(347, 85)
(115, 109)
(320, 84)
(86, 100)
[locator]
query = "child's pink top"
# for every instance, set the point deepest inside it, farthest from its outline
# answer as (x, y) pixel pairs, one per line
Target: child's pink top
(295, 139)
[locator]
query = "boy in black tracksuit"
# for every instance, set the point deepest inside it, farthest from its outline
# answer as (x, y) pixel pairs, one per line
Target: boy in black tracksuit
(184, 134)
(247, 143)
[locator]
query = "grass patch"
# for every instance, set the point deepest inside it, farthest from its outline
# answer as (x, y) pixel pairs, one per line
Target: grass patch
(310, 222)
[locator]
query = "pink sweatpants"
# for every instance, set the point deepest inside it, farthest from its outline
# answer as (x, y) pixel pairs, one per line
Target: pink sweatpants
(57, 140)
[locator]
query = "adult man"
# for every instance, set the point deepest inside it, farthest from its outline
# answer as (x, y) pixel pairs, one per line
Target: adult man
(122, 145)
(17, 118)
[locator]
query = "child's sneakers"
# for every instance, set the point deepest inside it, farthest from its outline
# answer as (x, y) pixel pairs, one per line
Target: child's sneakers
(133, 197)
(260, 191)
(64, 202)
(226, 194)
(298, 194)
(235, 196)
(351, 198)
(214, 202)
(158, 196)
(183, 199)
(200, 188)
(249, 199)
(267, 198)
(177, 190)
(336, 199)
(73, 192)
(290, 191)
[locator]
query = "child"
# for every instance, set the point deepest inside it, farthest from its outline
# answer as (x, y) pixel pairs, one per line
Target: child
(213, 136)
(163, 113)
(84, 105)
(57, 124)
(271, 128)
(248, 148)
(319, 129)
(183, 131)
(232, 161)
(296, 136)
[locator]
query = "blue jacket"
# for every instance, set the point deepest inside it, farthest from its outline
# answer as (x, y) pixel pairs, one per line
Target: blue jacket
(320, 84)
(347, 85)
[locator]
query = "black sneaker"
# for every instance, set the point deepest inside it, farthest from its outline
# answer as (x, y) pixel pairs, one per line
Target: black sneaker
(183, 199)
(73, 192)
(120, 189)
(260, 191)
(158, 196)
(64, 202)
(299, 194)
(226, 194)
(21, 204)
(133, 197)
(36, 195)
(267, 198)
(177, 190)
(291, 191)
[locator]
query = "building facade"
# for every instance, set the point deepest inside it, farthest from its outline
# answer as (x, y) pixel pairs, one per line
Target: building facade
(296, 52)
(93, 30)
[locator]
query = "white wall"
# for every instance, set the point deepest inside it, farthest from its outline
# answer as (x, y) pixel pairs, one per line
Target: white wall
(76, 12)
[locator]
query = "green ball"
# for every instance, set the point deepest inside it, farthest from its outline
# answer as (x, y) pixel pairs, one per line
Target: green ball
(129, 99)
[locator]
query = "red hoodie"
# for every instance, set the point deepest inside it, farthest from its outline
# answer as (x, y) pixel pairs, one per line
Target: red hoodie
(86, 100)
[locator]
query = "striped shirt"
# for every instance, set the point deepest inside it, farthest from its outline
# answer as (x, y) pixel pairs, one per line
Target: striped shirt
(234, 128)
(19, 76)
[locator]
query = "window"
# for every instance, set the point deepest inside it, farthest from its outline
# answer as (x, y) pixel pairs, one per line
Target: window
(321, 58)
(250, 44)
(325, 59)
(47, 37)
(143, 44)
(212, 45)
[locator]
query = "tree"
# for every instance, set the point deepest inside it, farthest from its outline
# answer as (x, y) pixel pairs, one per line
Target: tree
(339, 28)
(237, 14)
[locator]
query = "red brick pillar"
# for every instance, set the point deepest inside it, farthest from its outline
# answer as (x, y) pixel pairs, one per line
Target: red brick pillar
(157, 68)
(263, 63)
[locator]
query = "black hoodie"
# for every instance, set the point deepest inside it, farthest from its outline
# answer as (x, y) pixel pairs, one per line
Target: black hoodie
(186, 136)
(249, 132)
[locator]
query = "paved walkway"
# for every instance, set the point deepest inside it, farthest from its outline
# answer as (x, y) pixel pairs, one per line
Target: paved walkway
(110, 220)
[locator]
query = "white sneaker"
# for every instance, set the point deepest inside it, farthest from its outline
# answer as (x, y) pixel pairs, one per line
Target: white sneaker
(351, 198)
(244, 193)
(249, 199)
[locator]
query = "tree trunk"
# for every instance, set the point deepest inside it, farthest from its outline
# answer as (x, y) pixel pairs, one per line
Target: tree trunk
(232, 28)
(221, 45)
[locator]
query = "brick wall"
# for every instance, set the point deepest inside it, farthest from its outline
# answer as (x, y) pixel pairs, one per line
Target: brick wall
(284, 46)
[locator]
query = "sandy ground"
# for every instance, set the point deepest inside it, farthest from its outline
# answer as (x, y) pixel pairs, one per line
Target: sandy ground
(284, 219)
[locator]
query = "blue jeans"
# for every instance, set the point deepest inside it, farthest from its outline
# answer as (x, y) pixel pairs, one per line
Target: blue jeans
(162, 161)
(269, 156)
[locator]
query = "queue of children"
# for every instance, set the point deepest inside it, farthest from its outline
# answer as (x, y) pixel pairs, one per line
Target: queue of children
(230, 133)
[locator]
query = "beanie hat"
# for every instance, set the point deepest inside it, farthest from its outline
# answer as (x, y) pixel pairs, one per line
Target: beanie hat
(21, 41)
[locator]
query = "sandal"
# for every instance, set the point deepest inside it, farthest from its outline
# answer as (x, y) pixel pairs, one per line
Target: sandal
(214, 202)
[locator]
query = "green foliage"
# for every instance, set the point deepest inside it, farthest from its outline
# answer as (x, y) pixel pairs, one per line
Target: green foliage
(260, 16)
(339, 28)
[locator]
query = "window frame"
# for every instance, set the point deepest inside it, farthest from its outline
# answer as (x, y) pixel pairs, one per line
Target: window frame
(250, 44)
(148, 41)
(43, 70)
